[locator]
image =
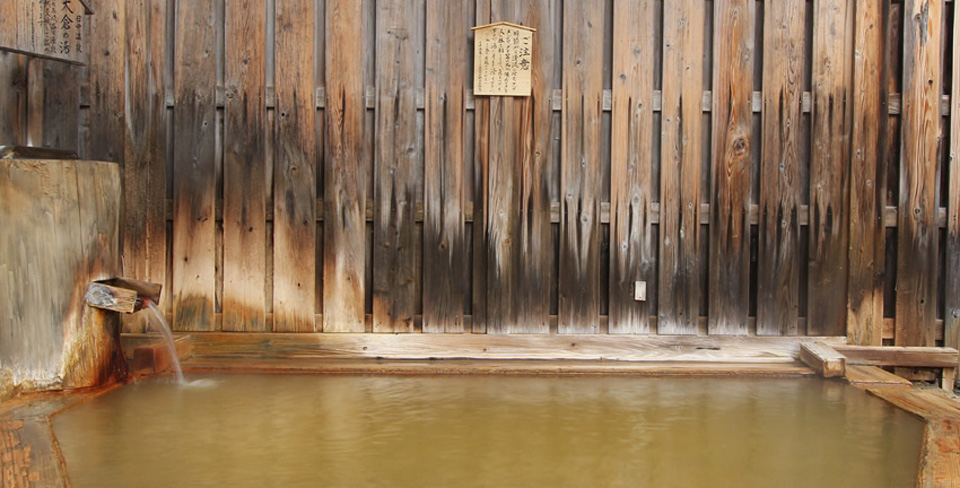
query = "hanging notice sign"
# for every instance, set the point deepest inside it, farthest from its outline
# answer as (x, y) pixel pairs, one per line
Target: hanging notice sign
(502, 59)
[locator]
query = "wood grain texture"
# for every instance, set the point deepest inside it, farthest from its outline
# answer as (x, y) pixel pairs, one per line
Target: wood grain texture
(13, 96)
(829, 166)
(632, 240)
(445, 265)
(107, 80)
(516, 229)
(940, 455)
(917, 236)
(579, 288)
(244, 167)
(537, 160)
(29, 454)
(295, 176)
(921, 357)
(620, 347)
(194, 185)
(680, 168)
(823, 359)
(344, 171)
(729, 273)
(398, 152)
(952, 265)
(778, 269)
(480, 197)
(872, 375)
(489, 367)
(145, 151)
(53, 107)
(867, 188)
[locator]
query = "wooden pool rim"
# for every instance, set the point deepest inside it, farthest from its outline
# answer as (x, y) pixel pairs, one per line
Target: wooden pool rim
(29, 452)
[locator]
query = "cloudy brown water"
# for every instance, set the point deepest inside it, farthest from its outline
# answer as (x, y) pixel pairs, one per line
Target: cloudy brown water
(456, 431)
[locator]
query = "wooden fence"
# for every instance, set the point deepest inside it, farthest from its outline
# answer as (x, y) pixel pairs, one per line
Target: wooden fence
(779, 167)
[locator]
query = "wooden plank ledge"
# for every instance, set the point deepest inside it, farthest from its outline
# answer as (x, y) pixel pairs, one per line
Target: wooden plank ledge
(873, 375)
(483, 366)
(918, 357)
(926, 403)
(712, 349)
(823, 359)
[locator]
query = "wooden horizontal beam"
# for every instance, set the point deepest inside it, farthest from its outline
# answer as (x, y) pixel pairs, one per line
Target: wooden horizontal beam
(894, 101)
(753, 215)
(823, 359)
(916, 357)
(487, 367)
(720, 349)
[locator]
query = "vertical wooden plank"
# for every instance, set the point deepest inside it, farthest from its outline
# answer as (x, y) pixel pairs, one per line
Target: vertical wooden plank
(295, 177)
(865, 302)
(106, 70)
(145, 150)
(631, 152)
(579, 289)
(480, 163)
(917, 236)
(244, 154)
(952, 285)
(501, 227)
(829, 169)
(680, 167)
(399, 53)
(536, 127)
(345, 189)
(444, 233)
(53, 115)
(194, 185)
(13, 96)
(778, 273)
(729, 273)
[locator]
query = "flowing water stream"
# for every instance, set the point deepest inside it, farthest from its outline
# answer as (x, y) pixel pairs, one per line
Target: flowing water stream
(164, 330)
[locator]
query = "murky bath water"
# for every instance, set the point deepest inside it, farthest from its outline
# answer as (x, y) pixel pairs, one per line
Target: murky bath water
(313, 430)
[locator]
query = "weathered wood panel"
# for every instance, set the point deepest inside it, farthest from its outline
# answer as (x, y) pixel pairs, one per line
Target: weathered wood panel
(778, 273)
(865, 302)
(344, 171)
(145, 150)
(729, 269)
(295, 176)
(480, 197)
(445, 265)
(244, 154)
(631, 152)
(952, 269)
(396, 166)
(680, 168)
(53, 106)
(579, 288)
(13, 96)
(107, 70)
(829, 167)
(534, 267)
(917, 236)
(194, 184)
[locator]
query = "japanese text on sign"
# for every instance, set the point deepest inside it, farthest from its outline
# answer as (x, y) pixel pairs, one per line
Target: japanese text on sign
(503, 60)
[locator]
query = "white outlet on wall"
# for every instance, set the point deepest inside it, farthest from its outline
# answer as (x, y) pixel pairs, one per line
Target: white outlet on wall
(640, 291)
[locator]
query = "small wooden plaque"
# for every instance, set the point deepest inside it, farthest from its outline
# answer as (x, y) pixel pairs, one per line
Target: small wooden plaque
(502, 59)
(53, 29)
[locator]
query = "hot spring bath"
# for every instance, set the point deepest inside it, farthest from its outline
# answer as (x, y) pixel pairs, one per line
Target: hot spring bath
(349, 430)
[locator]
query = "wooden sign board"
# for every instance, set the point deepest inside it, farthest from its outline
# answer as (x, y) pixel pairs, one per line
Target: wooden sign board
(53, 29)
(502, 59)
